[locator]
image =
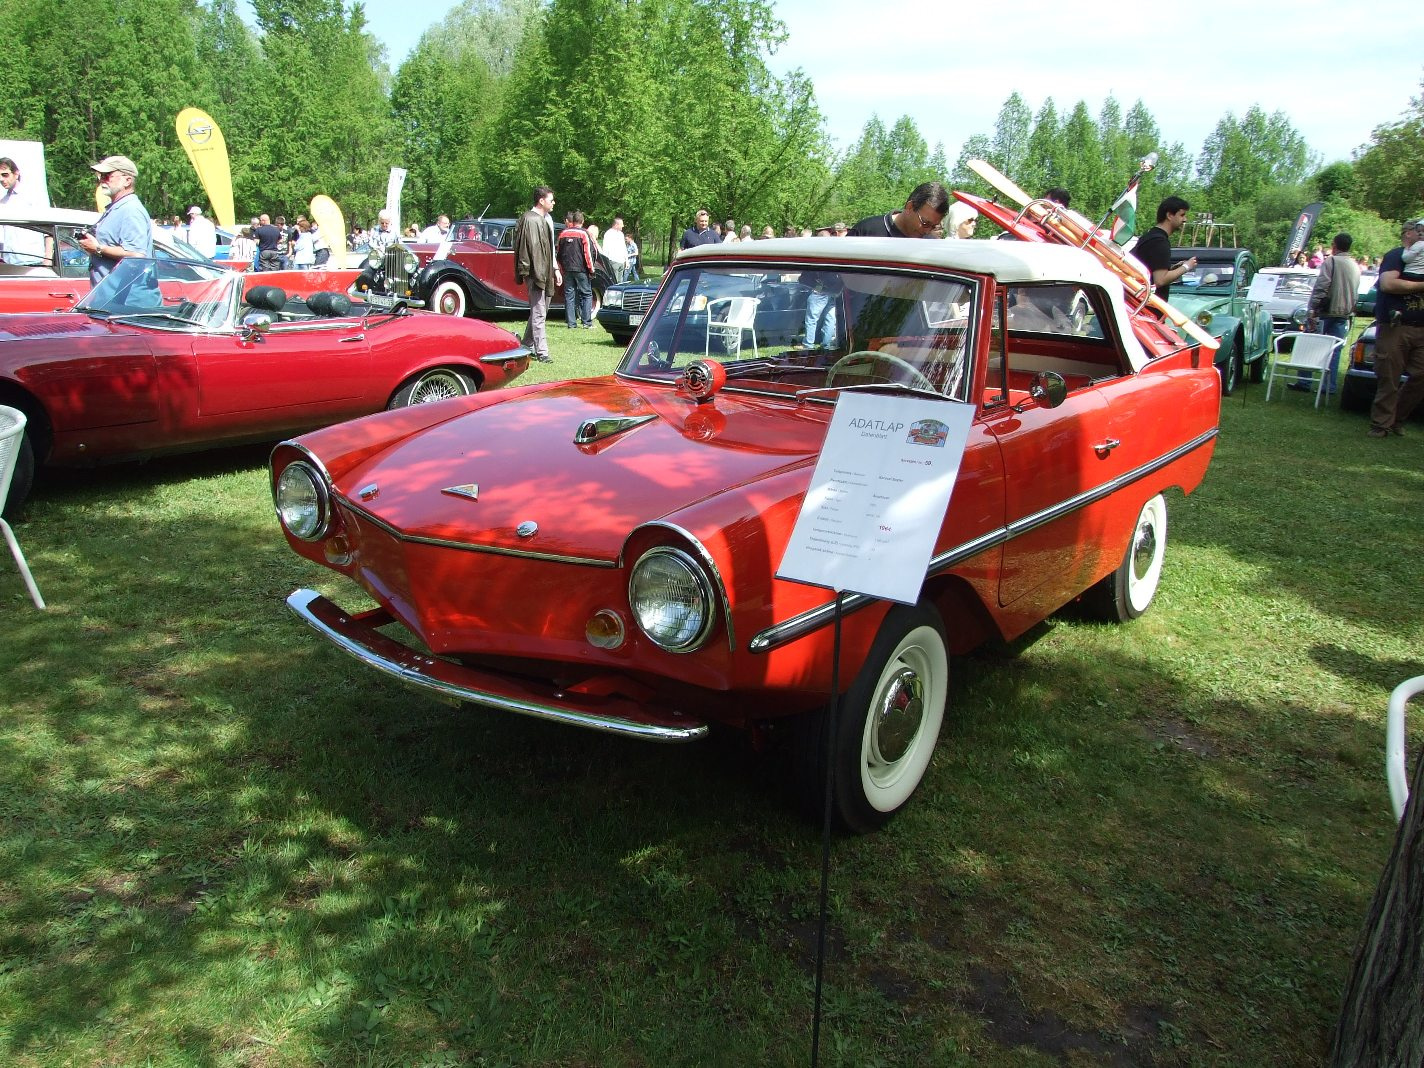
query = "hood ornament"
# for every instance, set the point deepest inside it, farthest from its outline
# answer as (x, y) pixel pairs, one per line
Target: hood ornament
(469, 489)
(594, 430)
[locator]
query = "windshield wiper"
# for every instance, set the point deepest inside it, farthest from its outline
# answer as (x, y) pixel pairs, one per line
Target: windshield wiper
(893, 387)
(153, 315)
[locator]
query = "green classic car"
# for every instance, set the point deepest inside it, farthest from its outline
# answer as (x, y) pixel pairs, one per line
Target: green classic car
(1214, 294)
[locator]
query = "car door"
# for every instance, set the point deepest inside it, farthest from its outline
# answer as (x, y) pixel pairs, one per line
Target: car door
(1057, 460)
(1255, 316)
(292, 374)
(54, 281)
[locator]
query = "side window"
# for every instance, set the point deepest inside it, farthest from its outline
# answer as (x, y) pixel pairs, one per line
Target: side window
(1062, 309)
(1245, 274)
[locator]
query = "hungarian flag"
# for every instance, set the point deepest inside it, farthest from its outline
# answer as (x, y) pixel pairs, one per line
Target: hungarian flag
(1124, 214)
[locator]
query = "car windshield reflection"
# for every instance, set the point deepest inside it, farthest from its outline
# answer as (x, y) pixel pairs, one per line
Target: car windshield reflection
(165, 294)
(1209, 278)
(792, 329)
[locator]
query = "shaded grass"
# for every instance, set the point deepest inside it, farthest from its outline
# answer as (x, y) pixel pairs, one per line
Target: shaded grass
(221, 843)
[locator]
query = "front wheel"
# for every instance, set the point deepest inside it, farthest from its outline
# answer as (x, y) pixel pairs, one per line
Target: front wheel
(1129, 590)
(449, 298)
(1231, 372)
(887, 727)
(440, 384)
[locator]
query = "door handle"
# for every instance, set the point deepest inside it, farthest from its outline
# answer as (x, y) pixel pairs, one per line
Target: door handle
(1102, 448)
(352, 340)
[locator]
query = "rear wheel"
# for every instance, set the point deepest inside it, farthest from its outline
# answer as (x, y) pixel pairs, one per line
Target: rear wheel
(23, 479)
(439, 384)
(449, 298)
(888, 724)
(1128, 591)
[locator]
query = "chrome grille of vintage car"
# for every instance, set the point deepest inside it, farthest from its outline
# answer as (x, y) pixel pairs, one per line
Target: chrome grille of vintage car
(638, 300)
(393, 265)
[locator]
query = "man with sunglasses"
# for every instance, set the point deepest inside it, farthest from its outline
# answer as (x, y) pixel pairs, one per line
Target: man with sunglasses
(125, 228)
(920, 217)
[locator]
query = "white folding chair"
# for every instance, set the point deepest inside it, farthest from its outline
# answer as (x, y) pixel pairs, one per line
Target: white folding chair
(1310, 354)
(739, 315)
(12, 429)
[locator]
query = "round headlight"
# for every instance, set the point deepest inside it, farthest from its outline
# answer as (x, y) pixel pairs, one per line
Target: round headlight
(671, 600)
(1203, 318)
(302, 502)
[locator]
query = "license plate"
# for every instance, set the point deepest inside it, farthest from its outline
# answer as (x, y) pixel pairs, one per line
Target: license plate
(635, 320)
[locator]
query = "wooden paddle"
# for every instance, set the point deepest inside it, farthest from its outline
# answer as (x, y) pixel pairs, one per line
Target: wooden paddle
(1074, 229)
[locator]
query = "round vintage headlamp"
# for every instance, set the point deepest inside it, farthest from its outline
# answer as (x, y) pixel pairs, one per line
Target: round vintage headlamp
(1203, 318)
(671, 600)
(303, 504)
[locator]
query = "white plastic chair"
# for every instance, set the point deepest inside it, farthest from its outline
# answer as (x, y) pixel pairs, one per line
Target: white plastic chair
(1310, 354)
(1394, 763)
(12, 429)
(740, 315)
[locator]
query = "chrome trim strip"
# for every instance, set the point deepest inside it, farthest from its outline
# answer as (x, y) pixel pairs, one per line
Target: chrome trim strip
(799, 626)
(508, 354)
(464, 546)
(711, 565)
(366, 646)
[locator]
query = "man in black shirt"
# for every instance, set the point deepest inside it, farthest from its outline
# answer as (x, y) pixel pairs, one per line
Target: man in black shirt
(1154, 248)
(920, 217)
(269, 239)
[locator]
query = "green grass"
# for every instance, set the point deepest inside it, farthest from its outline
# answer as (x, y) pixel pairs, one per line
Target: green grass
(221, 843)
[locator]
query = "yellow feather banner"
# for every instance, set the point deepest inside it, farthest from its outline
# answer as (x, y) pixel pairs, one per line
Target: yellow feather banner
(207, 150)
(332, 224)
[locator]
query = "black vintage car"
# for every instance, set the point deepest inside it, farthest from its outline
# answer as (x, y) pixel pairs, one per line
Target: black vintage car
(777, 314)
(471, 274)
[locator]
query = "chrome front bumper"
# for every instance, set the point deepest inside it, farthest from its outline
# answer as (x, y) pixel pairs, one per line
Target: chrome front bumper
(358, 636)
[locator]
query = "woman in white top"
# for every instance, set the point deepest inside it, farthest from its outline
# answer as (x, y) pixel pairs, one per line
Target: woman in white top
(304, 248)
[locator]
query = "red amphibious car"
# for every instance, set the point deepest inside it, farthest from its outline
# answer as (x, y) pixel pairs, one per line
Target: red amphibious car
(605, 553)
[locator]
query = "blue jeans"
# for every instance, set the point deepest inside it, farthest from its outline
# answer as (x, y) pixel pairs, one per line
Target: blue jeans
(820, 320)
(578, 299)
(1335, 326)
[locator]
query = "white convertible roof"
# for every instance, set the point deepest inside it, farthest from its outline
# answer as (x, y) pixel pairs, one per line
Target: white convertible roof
(1013, 262)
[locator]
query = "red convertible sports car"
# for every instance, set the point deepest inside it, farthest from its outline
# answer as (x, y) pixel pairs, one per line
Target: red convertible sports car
(171, 355)
(623, 574)
(45, 269)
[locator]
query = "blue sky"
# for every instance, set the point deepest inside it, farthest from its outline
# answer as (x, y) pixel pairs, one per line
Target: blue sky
(952, 81)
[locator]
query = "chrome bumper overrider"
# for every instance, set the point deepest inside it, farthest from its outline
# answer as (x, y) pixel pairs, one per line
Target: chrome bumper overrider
(357, 635)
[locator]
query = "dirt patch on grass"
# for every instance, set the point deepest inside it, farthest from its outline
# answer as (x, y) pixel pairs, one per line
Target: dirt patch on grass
(1179, 735)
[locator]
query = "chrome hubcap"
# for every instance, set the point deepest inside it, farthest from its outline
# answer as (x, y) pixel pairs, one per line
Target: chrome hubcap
(1145, 550)
(898, 717)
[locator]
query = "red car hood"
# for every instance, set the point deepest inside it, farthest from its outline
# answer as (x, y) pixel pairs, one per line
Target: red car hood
(518, 451)
(63, 326)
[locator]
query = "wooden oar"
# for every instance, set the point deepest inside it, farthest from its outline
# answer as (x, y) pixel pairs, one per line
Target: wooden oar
(1076, 230)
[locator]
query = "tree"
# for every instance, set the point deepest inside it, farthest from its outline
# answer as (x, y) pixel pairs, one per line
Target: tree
(1009, 149)
(1382, 1017)
(1240, 158)
(322, 108)
(1389, 172)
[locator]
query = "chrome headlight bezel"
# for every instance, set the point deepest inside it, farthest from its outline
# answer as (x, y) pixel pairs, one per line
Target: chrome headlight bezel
(675, 626)
(303, 501)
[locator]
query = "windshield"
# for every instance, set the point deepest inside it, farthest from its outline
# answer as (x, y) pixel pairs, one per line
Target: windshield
(792, 327)
(165, 293)
(1295, 285)
(1209, 276)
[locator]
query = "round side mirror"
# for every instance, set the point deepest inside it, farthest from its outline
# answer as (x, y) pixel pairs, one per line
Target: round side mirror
(256, 322)
(1048, 388)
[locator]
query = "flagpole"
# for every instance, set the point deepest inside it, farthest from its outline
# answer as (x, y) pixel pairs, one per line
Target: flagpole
(1148, 163)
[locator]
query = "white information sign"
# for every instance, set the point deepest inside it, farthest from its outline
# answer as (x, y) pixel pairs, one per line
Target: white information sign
(878, 495)
(1263, 287)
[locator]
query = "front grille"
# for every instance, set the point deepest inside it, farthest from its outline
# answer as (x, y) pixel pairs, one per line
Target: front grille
(638, 300)
(393, 264)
